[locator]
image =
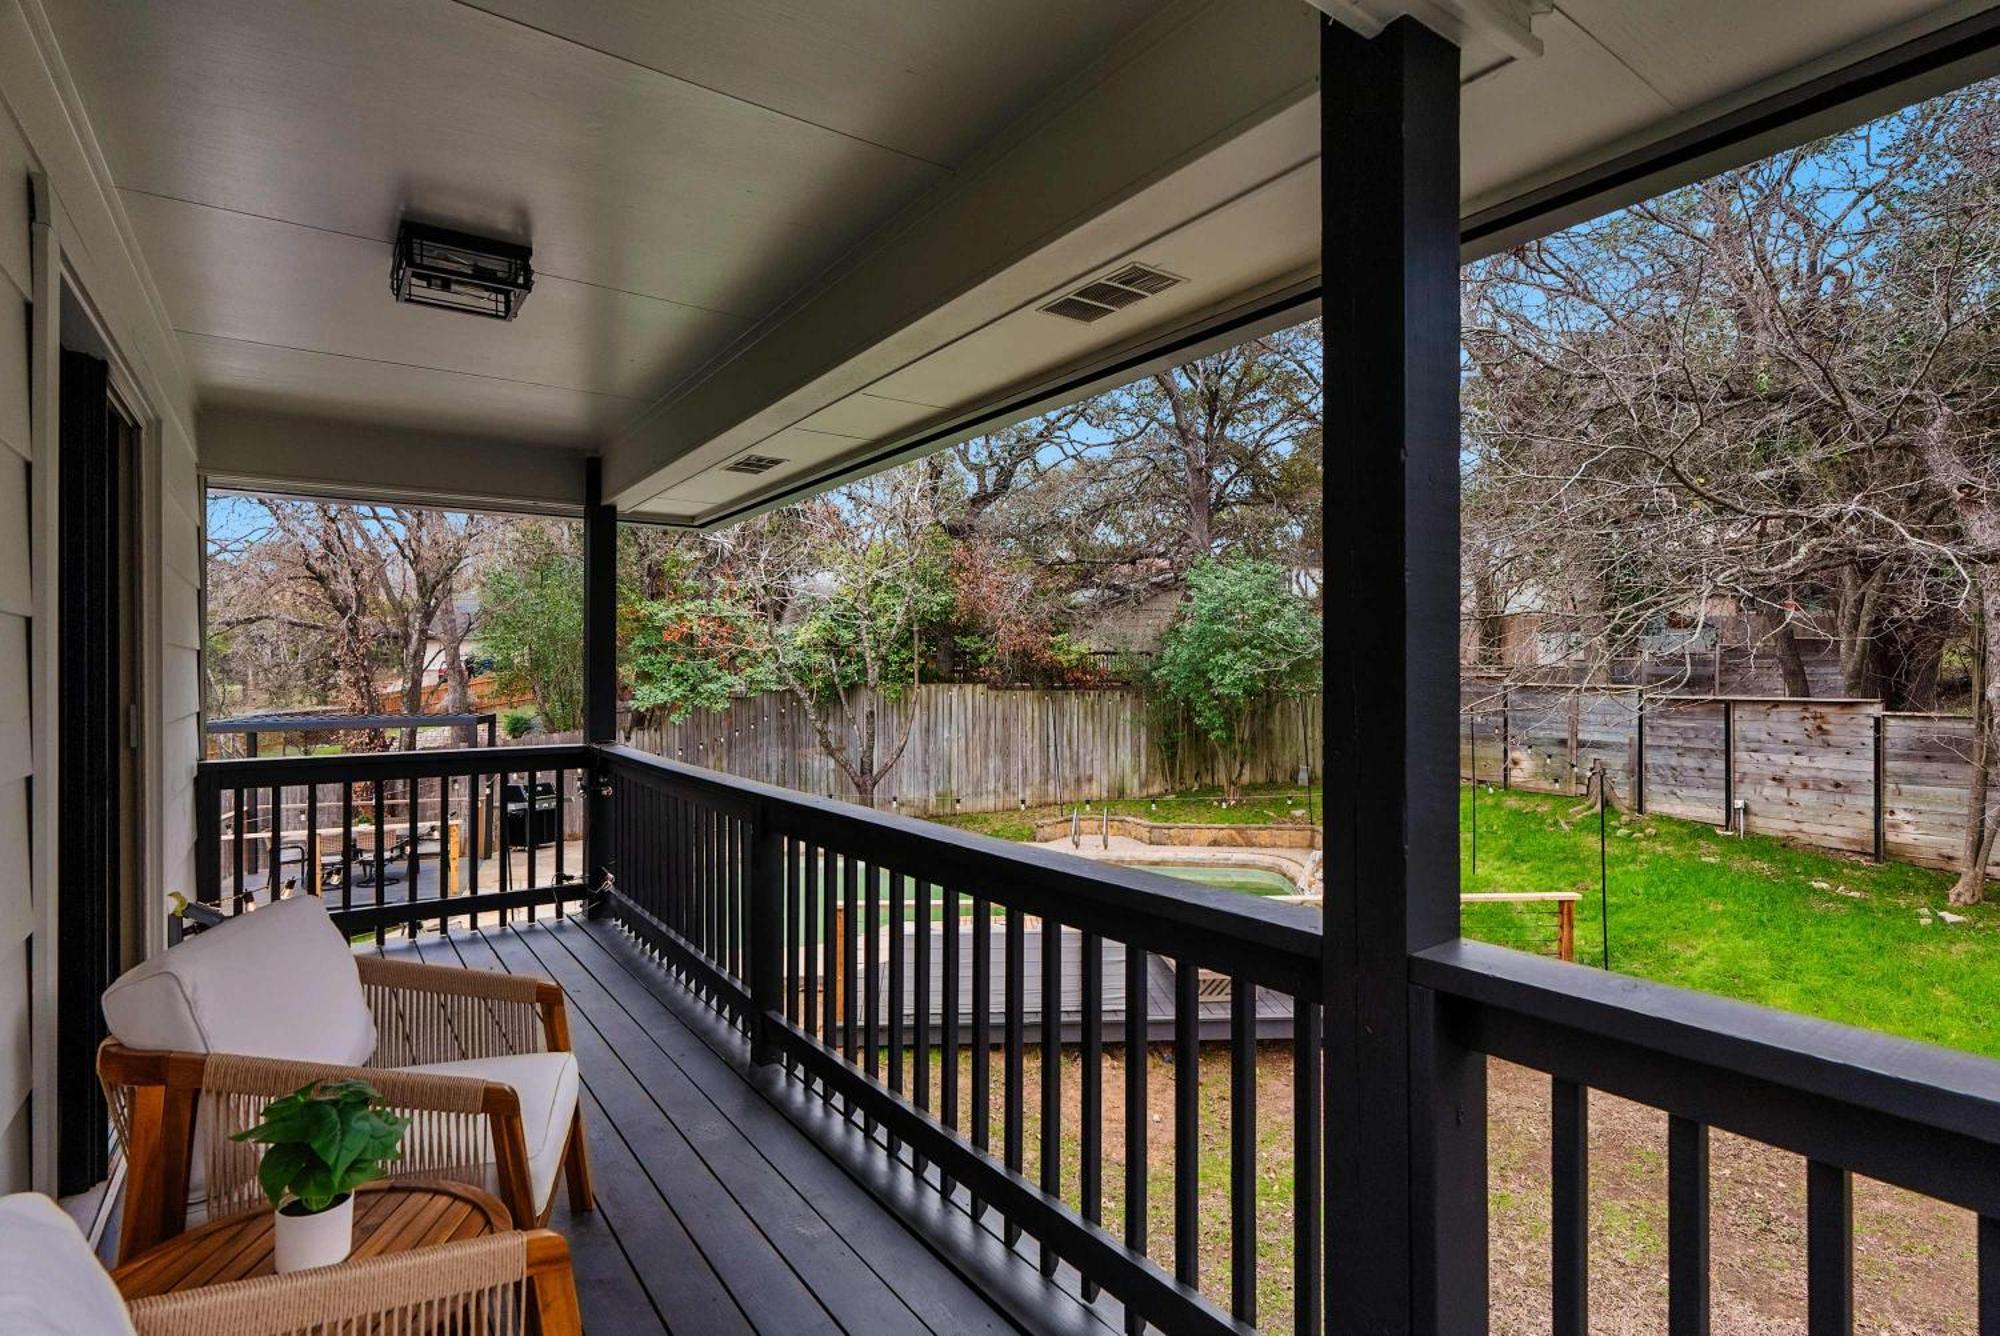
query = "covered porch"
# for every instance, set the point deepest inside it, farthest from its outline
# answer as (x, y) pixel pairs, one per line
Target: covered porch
(780, 249)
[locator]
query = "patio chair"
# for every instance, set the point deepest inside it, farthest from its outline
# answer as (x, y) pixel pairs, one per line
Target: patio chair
(53, 1285)
(207, 1033)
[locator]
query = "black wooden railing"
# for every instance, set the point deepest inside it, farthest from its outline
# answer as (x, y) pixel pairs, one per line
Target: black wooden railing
(1849, 1101)
(811, 924)
(920, 982)
(394, 839)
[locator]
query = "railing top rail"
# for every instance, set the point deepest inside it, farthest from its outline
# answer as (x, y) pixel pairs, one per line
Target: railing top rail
(1913, 1082)
(1068, 885)
(362, 767)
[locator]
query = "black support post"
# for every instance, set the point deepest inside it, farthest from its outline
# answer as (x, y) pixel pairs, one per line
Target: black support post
(600, 666)
(1405, 1237)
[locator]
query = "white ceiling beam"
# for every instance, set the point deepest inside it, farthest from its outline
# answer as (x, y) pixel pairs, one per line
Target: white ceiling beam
(1505, 25)
(1201, 75)
(286, 453)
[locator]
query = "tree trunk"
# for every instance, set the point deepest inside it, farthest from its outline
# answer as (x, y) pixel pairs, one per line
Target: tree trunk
(1952, 471)
(452, 630)
(1981, 822)
(1791, 663)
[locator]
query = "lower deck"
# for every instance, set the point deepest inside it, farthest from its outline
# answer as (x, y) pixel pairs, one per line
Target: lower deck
(725, 1201)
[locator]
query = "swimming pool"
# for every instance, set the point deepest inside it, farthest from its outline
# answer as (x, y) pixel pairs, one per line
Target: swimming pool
(1253, 880)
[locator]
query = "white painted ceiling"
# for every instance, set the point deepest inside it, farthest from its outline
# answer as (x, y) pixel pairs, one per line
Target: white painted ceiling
(697, 177)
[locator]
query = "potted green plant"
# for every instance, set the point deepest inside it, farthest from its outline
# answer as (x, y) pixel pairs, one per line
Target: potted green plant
(321, 1142)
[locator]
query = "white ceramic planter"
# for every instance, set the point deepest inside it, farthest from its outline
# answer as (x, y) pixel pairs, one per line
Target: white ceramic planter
(322, 1239)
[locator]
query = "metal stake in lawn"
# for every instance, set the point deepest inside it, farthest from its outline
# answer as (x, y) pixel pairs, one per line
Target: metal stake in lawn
(1472, 742)
(1603, 898)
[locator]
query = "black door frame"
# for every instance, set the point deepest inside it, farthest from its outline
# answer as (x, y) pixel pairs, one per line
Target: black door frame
(99, 647)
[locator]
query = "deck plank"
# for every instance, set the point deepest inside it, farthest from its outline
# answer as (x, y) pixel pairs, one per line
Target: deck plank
(851, 1292)
(932, 1290)
(634, 1244)
(718, 1210)
(722, 1235)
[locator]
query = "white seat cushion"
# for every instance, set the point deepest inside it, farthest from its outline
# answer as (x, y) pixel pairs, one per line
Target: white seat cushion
(546, 1085)
(277, 983)
(51, 1283)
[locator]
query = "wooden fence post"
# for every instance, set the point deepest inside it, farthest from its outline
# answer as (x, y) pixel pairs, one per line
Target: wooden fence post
(1639, 757)
(1728, 763)
(1575, 727)
(1881, 798)
(1506, 739)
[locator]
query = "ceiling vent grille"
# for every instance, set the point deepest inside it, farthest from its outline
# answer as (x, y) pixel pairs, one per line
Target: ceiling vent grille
(1112, 293)
(1145, 278)
(752, 464)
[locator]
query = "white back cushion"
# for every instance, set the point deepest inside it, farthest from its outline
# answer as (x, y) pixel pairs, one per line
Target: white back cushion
(51, 1283)
(277, 983)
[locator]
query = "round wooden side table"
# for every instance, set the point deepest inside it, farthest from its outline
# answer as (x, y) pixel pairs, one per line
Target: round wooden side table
(390, 1216)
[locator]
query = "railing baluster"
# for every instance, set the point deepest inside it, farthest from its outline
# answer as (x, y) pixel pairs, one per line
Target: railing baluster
(562, 833)
(1243, 1149)
(534, 831)
(412, 865)
(1829, 1250)
(503, 846)
(739, 897)
(1989, 1276)
(1687, 1227)
(237, 838)
(1569, 1207)
(897, 985)
(680, 867)
(805, 909)
(871, 977)
(982, 1035)
(1187, 1119)
(920, 1053)
(312, 865)
(948, 1074)
(1011, 1118)
(849, 956)
(347, 846)
(1051, 1012)
(474, 786)
(381, 865)
(794, 938)
(1136, 1110)
(1305, 1167)
(272, 889)
(829, 908)
(1090, 1165)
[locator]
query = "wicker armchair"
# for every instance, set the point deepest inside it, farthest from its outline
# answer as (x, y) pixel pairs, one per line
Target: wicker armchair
(457, 1051)
(505, 1283)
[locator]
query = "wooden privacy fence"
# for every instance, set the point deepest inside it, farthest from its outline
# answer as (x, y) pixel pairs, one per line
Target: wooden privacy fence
(1838, 773)
(984, 749)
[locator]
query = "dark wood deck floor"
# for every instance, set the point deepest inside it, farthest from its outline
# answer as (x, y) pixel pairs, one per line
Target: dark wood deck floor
(717, 1212)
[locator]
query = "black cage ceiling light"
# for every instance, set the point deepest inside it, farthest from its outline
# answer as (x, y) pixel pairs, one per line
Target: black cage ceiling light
(435, 266)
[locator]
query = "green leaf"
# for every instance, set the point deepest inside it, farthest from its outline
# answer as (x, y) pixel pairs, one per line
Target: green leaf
(275, 1174)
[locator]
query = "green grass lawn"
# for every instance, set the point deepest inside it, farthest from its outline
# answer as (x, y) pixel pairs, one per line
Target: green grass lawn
(1753, 918)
